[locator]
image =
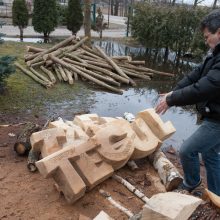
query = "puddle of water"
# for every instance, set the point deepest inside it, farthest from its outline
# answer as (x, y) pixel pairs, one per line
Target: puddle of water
(29, 40)
(135, 100)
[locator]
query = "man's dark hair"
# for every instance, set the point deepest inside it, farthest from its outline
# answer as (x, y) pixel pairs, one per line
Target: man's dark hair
(211, 21)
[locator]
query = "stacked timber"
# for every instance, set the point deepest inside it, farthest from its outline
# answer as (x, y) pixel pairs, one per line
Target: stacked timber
(70, 60)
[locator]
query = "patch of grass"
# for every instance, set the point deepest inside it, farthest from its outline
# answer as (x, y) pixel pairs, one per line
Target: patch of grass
(24, 94)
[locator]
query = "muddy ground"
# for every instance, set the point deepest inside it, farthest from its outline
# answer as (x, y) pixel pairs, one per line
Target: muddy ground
(25, 195)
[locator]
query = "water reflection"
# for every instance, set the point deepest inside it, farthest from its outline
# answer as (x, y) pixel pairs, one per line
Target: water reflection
(26, 39)
(146, 94)
(136, 99)
(156, 59)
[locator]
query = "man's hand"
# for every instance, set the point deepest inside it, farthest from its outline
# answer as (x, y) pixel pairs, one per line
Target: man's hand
(162, 106)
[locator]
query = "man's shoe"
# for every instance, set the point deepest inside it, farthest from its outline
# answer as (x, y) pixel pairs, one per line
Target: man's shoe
(199, 191)
(182, 189)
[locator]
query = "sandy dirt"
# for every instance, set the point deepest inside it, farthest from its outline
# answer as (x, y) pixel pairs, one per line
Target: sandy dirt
(25, 195)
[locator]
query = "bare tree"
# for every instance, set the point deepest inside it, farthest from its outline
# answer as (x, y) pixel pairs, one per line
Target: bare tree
(116, 7)
(196, 2)
(215, 4)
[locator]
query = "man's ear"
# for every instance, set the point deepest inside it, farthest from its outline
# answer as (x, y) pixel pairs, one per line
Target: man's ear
(218, 32)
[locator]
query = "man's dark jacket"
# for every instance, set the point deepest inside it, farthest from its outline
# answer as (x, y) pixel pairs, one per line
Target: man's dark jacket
(201, 87)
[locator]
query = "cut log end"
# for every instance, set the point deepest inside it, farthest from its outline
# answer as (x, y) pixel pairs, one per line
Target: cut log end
(22, 148)
(174, 183)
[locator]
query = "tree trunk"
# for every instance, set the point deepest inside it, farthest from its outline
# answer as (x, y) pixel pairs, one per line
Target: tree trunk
(166, 55)
(195, 3)
(21, 34)
(87, 21)
(173, 2)
(45, 37)
(215, 4)
(116, 7)
(112, 7)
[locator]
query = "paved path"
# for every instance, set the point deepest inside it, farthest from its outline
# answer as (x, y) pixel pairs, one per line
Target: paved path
(115, 21)
(11, 31)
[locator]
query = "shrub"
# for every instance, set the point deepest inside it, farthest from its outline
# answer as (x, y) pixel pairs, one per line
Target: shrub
(174, 28)
(6, 68)
(20, 15)
(62, 14)
(45, 16)
(74, 16)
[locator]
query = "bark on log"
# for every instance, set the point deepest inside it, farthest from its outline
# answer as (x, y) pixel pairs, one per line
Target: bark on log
(77, 45)
(141, 76)
(98, 76)
(31, 57)
(104, 65)
(70, 67)
(86, 58)
(141, 69)
(75, 76)
(38, 64)
(49, 73)
(55, 47)
(91, 53)
(63, 74)
(135, 71)
(57, 73)
(111, 62)
(132, 71)
(89, 66)
(120, 58)
(161, 73)
(72, 56)
(168, 173)
(34, 49)
(116, 204)
(22, 145)
(132, 82)
(33, 157)
(8, 125)
(60, 53)
(48, 63)
(40, 75)
(136, 62)
(132, 165)
(33, 76)
(131, 188)
(69, 76)
(91, 50)
(146, 70)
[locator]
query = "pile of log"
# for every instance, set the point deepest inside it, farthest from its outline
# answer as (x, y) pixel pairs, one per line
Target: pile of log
(71, 60)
